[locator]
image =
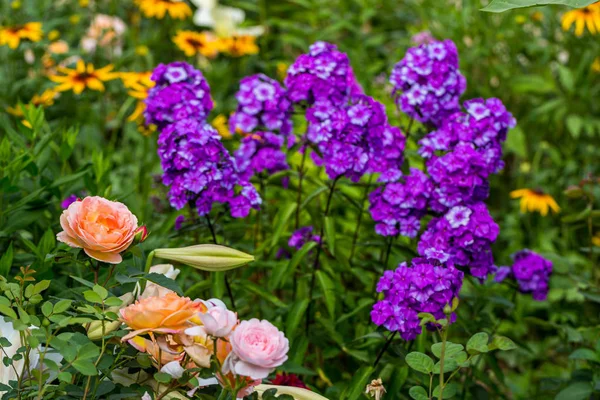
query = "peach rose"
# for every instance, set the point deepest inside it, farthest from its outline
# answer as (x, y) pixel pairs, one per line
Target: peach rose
(167, 314)
(103, 228)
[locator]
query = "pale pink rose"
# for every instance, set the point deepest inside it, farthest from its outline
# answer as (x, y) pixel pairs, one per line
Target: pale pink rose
(103, 228)
(219, 321)
(258, 347)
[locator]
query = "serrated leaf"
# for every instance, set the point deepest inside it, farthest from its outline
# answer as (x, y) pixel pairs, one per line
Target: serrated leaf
(478, 343)
(419, 362)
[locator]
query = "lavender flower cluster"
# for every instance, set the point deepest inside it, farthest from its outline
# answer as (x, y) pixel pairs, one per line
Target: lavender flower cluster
(261, 152)
(398, 207)
(180, 92)
(322, 74)
(197, 167)
(427, 286)
(462, 236)
(348, 137)
(262, 105)
(531, 271)
(302, 236)
(427, 82)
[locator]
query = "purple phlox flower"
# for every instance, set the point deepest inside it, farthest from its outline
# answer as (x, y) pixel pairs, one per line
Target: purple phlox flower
(68, 201)
(397, 208)
(425, 286)
(302, 236)
(532, 273)
(261, 152)
(427, 82)
(179, 222)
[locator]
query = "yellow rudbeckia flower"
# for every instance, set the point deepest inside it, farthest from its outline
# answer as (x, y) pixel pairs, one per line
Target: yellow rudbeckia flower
(12, 35)
(176, 9)
(535, 201)
(587, 16)
(83, 77)
(192, 43)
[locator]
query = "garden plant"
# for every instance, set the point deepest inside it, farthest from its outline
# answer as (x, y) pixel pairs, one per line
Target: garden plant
(299, 199)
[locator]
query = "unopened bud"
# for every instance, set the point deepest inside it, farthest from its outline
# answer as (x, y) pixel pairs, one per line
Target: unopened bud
(574, 192)
(141, 234)
(447, 309)
(207, 257)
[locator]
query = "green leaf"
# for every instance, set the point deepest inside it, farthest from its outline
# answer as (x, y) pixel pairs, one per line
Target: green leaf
(103, 293)
(328, 291)
(88, 350)
(575, 391)
(62, 306)
(478, 343)
(585, 354)
(574, 124)
(451, 349)
(47, 309)
(281, 273)
(165, 282)
(262, 292)
(113, 302)
(359, 380)
(65, 377)
(449, 391)
(283, 216)
(86, 367)
(9, 312)
(162, 377)
(426, 318)
(502, 343)
(504, 5)
(294, 317)
(419, 362)
(92, 296)
(450, 365)
(418, 393)
(6, 261)
(330, 234)
(40, 287)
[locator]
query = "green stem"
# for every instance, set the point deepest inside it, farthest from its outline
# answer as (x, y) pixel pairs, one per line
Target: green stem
(442, 357)
(299, 195)
(359, 220)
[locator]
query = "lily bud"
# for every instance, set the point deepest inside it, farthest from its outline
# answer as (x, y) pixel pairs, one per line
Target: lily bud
(296, 392)
(207, 257)
(141, 234)
(96, 330)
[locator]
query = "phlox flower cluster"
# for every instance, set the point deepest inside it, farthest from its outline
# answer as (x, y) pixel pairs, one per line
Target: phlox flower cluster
(484, 124)
(197, 167)
(427, 82)
(261, 152)
(301, 236)
(324, 73)
(425, 286)
(397, 208)
(180, 92)
(347, 137)
(262, 105)
(531, 271)
(462, 236)
(199, 170)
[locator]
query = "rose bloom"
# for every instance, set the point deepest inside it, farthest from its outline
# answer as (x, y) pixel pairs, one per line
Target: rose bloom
(167, 314)
(258, 347)
(103, 228)
(219, 321)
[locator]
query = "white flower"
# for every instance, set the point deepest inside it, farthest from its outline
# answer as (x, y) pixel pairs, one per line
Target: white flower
(223, 20)
(154, 290)
(146, 396)
(14, 370)
(174, 369)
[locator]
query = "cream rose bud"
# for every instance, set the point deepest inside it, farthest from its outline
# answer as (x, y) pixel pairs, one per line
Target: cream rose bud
(218, 321)
(103, 228)
(174, 369)
(258, 347)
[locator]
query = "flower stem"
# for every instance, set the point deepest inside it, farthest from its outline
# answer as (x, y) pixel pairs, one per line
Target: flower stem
(227, 285)
(300, 179)
(359, 220)
(384, 348)
(319, 249)
(442, 357)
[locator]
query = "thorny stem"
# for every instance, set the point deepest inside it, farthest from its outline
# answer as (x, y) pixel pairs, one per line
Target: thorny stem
(319, 249)
(227, 285)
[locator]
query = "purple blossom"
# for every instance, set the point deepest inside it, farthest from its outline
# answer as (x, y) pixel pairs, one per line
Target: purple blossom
(262, 105)
(464, 236)
(324, 73)
(179, 222)
(397, 208)
(181, 92)
(302, 236)
(261, 152)
(68, 201)
(199, 170)
(427, 286)
(531, 271)
(349, 138)
(427, 82)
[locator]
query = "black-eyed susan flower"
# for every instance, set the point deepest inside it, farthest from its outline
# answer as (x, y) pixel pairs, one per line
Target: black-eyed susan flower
(176, 9)
(44, 99)
(238, 46)
(533, 200)
(139, 83)
(12, 35)
(596, 65)
(583, 17)
(83, 77)
(221, 125)
(192, 43)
